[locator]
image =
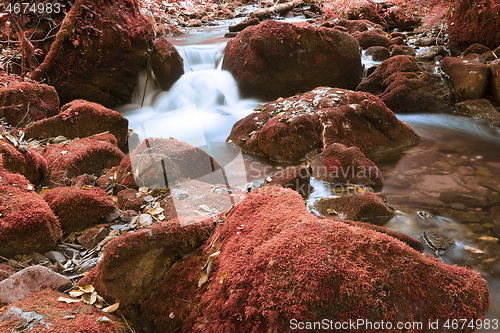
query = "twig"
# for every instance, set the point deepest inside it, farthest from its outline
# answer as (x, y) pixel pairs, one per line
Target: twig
(126, 322)
(27, 111)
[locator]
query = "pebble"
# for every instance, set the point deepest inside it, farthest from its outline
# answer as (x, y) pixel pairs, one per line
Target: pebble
(55, 256)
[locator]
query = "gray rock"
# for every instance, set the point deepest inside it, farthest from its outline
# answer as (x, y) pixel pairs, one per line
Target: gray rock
(30, 280)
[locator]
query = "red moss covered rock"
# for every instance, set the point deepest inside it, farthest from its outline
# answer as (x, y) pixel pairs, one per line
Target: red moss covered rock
(475, 22)
(405, 85)
(345, 165)
(495, 79)
(468, 79)
(166, 63)
(158, 162)
(378, 53)
(22, 102)
(79, 119)
(78, 208)
(27, 224)
(98, 52)
(372, 37)
(42, 312)
(352, 25)
(81, 156)
(278, 262)
(365, 206)
(402, 50)
(134, 264)
(29, 163)
(31, 280)
(130, 199)
(288, 129)
(294, 177)
(276, 59)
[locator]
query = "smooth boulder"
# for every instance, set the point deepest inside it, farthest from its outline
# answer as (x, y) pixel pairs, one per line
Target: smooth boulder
(276, 59)
(468, 79)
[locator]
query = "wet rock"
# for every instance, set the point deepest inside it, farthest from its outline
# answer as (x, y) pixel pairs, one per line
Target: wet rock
(402, 19)
(429, 53)
(140, 259)
(438, 243)
(41, 311)
(372, 37)
(366, 206)
(288, 129)
(23, 102)
(271, 242)
(28, 163)
(378, 53)
(406, 85)
(296, 178)
(474, 107)
(55, 256)
(276, 59)
(78, 208)
(166, 63)
(352, 25)
(340, 164)
(80, 119)
(159, 163)
(468, 79)
(81, 156)
(401, 50)
(495, 79)
(243, 24)
(98, 52)
(469, 199)
(27, 224)
(476, 48)
(475, 24)
(30, 280)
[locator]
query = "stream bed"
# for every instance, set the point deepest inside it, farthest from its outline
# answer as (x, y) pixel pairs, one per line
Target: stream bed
(457, 155)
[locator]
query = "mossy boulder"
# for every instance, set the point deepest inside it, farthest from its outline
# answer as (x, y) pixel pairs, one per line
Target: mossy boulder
(288, 129)
(407, 85)
(277, 59)
(27, 224)
(22, 102)
(279, 262)
(98, 52)
(78, 208)
(166, 63)
(79, 119)
(81, 156)
(469, 79)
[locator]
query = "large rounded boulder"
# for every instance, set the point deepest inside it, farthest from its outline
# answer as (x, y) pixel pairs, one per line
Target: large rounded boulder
(288, 129)
(277, 59)
(98, 52)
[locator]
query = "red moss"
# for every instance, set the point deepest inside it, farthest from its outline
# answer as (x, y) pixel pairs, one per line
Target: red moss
(6, 271)
(475, 22)
(373, 37)
(98, 52)
(27, 224)
(340, 164)
(274, 59)
(134, 264)
(60, 316)
(23, 102)
(81, 156)
(80, 119)
(78, 208)
(30, 163)
(333, 116)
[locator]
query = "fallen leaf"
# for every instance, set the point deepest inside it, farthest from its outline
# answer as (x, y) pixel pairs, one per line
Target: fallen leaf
(76, 293)
(86, 288)
(205, 271)
(111, 308)
(103, 319)
(67, 300)
(473, 249)
(155, 211)
(64, 152)
(223, 276)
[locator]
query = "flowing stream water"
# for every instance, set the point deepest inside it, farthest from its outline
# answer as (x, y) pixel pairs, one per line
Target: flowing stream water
(457, 154)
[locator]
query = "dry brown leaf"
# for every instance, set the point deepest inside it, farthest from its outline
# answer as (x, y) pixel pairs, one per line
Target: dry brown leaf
(223, 276)
(67, 300)
(104, 319)
(111, 308)
(76, 293)
(205, 271)
(155, 211)
(86, 288)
